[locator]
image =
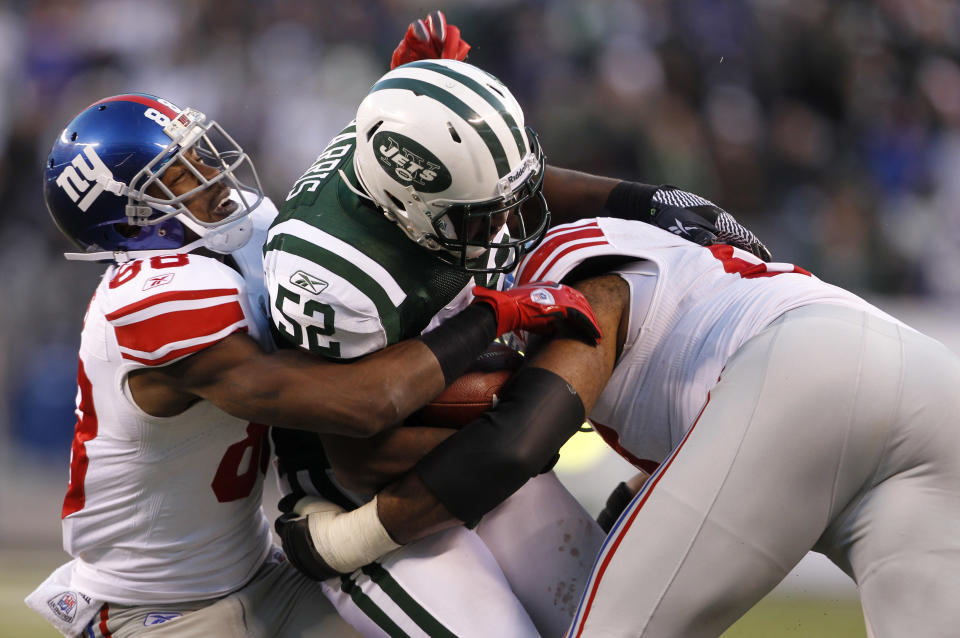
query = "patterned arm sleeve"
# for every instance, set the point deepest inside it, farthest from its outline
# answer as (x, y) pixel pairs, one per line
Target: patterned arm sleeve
(685, 214)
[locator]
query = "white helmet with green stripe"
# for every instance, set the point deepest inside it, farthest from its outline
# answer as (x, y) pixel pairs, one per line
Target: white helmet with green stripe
(443, 151)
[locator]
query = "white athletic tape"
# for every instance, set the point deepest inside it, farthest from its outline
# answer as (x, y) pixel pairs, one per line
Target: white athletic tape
(348, 540)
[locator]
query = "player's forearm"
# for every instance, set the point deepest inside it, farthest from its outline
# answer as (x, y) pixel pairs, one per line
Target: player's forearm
(367, 465)
(409, 511)
(400, 379)
(412, 507)
(539, 410)
(297, 390)
(573, 195)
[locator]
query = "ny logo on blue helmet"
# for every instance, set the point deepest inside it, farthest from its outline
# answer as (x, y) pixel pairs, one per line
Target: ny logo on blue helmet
(102, 179)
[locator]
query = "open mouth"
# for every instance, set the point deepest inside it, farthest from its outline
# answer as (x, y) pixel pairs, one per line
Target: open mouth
(225, 208)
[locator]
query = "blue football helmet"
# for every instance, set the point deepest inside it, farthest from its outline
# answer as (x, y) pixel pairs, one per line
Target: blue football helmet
(102, 164)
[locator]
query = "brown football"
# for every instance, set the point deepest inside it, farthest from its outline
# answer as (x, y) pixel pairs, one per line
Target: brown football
(473, 393)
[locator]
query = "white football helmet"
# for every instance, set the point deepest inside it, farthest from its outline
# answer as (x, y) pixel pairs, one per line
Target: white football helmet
(442, 150)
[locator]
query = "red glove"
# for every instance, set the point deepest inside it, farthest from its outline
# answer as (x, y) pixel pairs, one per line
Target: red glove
(536, 307)
(429, 39)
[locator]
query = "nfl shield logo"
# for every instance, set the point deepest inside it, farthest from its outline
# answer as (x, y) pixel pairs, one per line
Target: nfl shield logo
(542, 297)
(64, 605)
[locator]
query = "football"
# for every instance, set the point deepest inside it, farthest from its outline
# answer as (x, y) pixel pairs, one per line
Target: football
(473, 393)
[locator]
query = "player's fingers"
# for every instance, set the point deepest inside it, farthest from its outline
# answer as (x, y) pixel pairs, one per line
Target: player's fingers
(420, 31)
(761, 251)
(453, 47)
(586, 325)
(701, 236)
(437, 24)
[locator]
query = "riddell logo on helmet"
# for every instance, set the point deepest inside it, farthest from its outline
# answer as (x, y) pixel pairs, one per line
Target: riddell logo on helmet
(410, 163)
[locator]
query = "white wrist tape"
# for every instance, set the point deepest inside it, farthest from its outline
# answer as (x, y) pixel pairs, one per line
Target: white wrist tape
(348, 540)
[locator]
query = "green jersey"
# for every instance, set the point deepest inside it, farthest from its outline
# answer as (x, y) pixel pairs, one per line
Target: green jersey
(345, 281)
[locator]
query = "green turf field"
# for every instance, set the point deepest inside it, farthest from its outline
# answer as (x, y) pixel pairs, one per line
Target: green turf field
(801, 617)
(775, 617)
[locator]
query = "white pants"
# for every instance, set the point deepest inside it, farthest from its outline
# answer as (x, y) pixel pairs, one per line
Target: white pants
(830, 430)
(278, 602)
(518, 574)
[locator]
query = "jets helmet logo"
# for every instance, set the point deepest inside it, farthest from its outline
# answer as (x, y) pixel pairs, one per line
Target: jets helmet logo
(92, 174)
(410, 163)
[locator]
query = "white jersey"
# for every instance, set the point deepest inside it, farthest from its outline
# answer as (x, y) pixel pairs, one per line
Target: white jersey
(705, 303)
(165, 509)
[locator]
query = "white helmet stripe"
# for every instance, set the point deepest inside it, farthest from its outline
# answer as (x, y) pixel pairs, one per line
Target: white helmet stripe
(488, 96)
(467, 114)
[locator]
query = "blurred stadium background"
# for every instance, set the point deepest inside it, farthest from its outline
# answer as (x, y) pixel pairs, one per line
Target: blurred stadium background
(832, 128)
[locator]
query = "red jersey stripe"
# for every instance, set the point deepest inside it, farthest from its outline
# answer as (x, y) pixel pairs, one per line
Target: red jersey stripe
(104, 616)
(565, 228)
(179, 352)
(564, 252)
(554, 241)
(85, 430)
(610, 436)
(168, 328)
(749, 270)
(174, 295)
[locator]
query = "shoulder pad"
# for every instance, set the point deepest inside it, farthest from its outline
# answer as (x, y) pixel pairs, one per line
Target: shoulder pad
(164, 308)
(326, 295)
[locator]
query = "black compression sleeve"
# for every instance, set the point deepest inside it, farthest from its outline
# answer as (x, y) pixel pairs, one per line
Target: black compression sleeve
(458, 341)
(631, 200)
(474, 470)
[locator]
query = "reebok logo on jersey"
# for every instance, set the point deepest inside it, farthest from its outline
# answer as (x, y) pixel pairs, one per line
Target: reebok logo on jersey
(308, 282)
(159, 280)
(410, 163)
(159, 617)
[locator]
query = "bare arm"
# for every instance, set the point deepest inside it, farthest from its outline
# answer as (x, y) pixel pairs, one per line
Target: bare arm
(543, 406)
(296, 389)
(409, 510)
(367, 465)
(573, 195)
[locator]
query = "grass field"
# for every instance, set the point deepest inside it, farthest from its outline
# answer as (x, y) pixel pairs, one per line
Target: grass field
(775, 617)
(801, 617)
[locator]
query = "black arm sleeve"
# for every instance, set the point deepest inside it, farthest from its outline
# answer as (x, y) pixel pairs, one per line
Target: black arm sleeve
(474, 470)
(631, 200)
(459, 340)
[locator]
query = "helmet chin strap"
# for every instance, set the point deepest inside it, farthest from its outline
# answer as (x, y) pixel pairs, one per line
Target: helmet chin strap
(220, 239)
(356, 191)
(123, 256)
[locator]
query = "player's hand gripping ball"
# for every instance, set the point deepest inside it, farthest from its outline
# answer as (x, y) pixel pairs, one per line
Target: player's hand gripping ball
(538, 307)
(473, 393)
